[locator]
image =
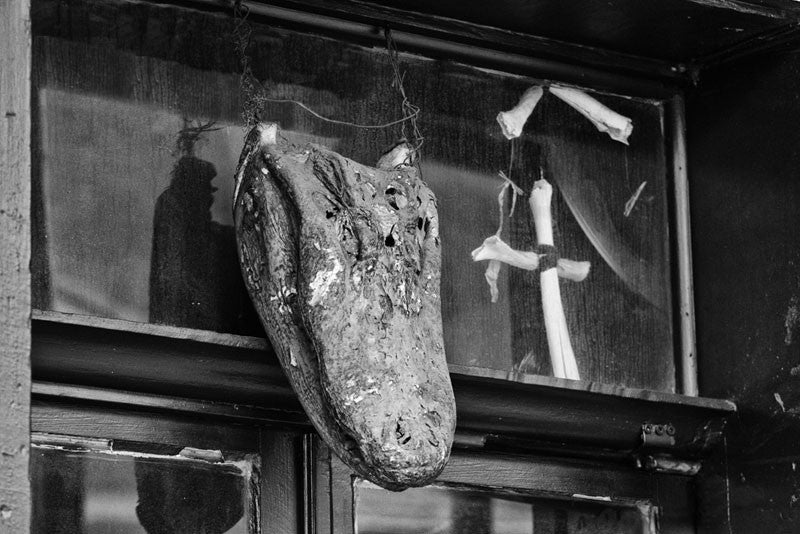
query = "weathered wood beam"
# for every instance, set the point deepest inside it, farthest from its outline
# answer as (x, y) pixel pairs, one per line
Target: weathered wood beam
(15, 280)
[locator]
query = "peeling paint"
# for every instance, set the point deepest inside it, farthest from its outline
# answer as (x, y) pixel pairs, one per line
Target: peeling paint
(5, 512)
(212, 456)
(591, 497)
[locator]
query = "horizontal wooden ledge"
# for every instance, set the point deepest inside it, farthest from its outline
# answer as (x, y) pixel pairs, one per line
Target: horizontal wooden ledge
(161, 330)
(232, 412)
(598, 388)
(207, 372)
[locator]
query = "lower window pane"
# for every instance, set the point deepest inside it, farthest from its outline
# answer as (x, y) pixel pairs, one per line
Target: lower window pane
(450, 510)
(104, 492)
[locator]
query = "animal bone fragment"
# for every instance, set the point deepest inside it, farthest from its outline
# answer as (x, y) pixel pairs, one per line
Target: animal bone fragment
(342, 263)
(495, 249)
(561, 355)
(512, 121)
(492, 273)
(606, 120)
(399, 155)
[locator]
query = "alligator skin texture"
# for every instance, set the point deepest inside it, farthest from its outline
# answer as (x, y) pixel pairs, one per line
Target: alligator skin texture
(342, 262)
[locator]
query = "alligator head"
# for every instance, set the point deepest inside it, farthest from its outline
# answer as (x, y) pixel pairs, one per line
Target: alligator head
(342, 263)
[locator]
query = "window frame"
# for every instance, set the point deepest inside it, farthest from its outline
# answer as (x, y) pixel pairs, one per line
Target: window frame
(667, 498)
(93, 376)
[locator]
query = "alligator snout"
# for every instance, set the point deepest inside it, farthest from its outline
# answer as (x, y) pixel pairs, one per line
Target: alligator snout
(343, 264)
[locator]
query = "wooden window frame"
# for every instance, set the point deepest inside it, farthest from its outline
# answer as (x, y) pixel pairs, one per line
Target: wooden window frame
(667, 498)
(550, 432)
(94, 377)
(151, 420)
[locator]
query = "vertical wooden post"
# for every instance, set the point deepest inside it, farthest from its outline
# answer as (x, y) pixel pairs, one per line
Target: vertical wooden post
(281, 480)
(15, 280)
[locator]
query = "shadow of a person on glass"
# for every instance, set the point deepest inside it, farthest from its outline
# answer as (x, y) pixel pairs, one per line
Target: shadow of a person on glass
(195, 279)
(195, 282)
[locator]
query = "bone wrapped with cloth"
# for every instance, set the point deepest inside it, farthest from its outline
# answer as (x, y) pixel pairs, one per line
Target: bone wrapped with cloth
(342, 263)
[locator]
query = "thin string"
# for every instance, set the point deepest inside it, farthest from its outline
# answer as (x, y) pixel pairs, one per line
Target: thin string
(511, 158)
(335, 121)
(254, 93)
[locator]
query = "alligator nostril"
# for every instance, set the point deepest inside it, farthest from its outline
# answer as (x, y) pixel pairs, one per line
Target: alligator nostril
(401, 433)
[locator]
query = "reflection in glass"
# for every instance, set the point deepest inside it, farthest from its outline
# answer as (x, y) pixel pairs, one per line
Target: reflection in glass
(98, 493)
(128, 227)
(443, 510)
(194, 271)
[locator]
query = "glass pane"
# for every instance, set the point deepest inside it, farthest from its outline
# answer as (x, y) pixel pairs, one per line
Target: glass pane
(442, 510)
(138, 130)
(98, 493)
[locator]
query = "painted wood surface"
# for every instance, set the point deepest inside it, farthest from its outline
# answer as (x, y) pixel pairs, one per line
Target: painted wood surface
(15, 281)
(743, 173)
(281, 481)
(536, 413)
(80, 418)
(586, 483)
(677, 30)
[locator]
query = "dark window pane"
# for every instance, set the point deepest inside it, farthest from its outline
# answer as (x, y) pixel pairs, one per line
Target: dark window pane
(138, 131)
(98, 493)
(443, 510)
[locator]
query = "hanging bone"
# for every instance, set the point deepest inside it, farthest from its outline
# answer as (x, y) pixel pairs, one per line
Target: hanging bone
(618, 127)
(551, 267)
(512, 121)
(342, 264)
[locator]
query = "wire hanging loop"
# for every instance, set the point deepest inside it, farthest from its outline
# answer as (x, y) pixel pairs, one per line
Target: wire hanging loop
(249, 86)
(254, 93)
(410, 111)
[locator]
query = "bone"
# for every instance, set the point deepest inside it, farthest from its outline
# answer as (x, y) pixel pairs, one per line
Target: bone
(264, 134)
(491, 275)
(495, 249)
(618, 127)
(561, 354)
(398, 156)
(512, 121)
(269, 133)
